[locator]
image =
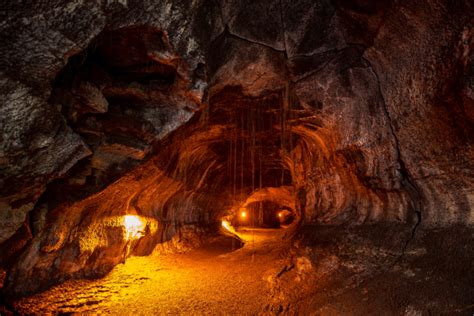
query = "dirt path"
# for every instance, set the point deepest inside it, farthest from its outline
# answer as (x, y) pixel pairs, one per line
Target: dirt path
(209, 280)
(326, 271)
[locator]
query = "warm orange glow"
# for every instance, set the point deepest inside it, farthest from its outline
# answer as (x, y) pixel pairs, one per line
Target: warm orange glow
(243, 214)
(280, 214)
(229, 229)
(228, 226)
(134, 226)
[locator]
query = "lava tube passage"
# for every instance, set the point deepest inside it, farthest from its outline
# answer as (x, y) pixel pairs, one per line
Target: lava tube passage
(237, 157)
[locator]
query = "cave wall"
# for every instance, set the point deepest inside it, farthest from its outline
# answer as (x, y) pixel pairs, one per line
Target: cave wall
(427, 66)
(364, 110)
(38, 141)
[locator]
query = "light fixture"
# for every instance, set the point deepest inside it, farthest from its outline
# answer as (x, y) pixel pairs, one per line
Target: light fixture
(134, 227)
(228, 226)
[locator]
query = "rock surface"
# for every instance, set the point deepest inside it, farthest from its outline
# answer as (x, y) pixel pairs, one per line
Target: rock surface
(178, 110)
(334, 270)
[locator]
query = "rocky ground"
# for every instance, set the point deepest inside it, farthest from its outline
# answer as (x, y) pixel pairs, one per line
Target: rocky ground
(325, 271)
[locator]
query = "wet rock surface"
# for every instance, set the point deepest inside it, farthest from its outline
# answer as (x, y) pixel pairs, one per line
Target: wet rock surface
(179, 111)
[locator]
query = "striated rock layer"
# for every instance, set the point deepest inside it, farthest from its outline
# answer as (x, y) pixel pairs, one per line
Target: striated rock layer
(178, 111)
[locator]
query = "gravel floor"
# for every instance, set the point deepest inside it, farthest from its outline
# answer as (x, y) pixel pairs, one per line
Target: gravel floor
(209, 280)
(369, 270)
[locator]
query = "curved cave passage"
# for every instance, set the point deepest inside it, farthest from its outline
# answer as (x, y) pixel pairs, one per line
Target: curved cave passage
(162, 168)
(265, 214)
(274, 168)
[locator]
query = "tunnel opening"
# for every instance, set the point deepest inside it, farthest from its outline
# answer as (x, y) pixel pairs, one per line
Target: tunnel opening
(265, 214)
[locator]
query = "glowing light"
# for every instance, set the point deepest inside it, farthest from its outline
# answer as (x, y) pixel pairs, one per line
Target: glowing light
(228, 226)
(134, 227)
(243, 214)
(280, 214)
